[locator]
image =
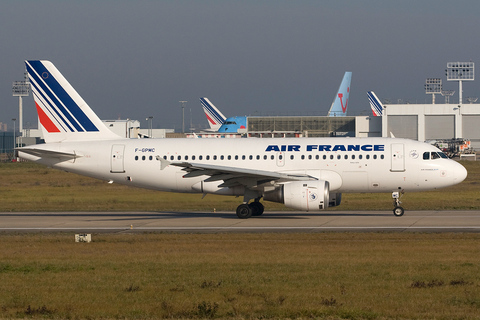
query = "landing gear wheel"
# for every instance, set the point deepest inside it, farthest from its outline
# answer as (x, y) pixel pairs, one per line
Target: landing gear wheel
(257, 208)
(398, 211)
(244, 211)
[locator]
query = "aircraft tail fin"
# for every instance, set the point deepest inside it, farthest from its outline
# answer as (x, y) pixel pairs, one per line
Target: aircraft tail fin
(375, 104)
(339, 105)
(214, 116)
(63, 114)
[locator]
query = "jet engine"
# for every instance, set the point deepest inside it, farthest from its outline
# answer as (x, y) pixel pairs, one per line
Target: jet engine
(301, 195)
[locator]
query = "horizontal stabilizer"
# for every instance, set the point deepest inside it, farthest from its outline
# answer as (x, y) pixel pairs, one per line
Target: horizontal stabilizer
(42, 153)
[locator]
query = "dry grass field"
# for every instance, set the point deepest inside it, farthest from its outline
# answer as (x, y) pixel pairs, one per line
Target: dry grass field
(230, 276)
(241, 276)
(31, 187)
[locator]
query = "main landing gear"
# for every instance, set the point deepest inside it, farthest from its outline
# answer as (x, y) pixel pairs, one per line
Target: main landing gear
(245, 211)
(397, 211)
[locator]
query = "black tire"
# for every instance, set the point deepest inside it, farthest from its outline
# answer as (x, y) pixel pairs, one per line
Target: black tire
(398, 211)
(244, 211)
(257, 208)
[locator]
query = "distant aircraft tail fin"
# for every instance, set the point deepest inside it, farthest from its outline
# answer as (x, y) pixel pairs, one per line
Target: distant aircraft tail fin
(214, 116)
(375, 104)
(62, 112)
(339, 105)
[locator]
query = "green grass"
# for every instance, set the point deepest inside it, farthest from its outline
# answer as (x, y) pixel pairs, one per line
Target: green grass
(32, 187)
(241, 276)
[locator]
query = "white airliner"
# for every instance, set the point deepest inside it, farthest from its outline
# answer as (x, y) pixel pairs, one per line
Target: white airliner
(306, 174)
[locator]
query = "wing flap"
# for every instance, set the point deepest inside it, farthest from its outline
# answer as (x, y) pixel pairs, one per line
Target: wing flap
(230, 174)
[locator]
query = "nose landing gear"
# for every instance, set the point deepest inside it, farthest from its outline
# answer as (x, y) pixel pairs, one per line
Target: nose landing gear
(397, 211)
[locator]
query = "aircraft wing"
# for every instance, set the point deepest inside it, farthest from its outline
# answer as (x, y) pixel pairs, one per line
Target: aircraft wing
(233, 176)
(42, 153)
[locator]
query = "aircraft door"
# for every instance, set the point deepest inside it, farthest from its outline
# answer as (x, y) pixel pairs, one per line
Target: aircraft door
(281, 159)
(397, 157)
(117, 159)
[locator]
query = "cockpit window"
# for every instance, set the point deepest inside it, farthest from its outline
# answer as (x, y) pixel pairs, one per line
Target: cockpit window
(434, 155)
(230, 122)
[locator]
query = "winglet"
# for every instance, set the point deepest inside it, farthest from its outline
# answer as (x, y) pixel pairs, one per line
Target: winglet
(340, 102)
(375, 104)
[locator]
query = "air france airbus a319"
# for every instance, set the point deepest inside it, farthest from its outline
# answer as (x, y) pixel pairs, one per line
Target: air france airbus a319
(308, 174)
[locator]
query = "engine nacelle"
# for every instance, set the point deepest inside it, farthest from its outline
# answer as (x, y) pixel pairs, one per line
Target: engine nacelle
(301, 195)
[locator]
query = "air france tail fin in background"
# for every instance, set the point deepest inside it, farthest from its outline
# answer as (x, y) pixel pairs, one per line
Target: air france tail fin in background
(214, 116)
(63, 114)
(375, 104)
(339, 105)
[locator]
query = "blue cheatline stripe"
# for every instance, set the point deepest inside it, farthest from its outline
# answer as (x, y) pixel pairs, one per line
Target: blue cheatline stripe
(45, 100)
(68, 102)
(52, 116)
(212, 111)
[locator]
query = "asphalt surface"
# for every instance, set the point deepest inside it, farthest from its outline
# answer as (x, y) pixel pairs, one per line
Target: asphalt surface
(275, 221)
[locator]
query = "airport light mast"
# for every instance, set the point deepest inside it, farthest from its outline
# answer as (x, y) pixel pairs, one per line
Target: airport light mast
(447, 94)
(460, 71)
(183, 115)
(21, 89)
(433, 86)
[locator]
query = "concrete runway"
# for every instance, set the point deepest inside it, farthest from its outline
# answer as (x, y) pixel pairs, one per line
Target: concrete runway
(277, 221)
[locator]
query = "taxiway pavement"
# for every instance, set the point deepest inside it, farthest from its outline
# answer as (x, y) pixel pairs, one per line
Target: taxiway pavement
(275, 221)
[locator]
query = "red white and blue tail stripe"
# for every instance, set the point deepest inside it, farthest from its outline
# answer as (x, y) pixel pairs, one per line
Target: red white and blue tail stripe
(62, 112)
(375, 104)
(214, 116)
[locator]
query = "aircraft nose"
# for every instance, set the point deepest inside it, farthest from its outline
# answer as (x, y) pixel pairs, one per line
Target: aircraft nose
(460, 173)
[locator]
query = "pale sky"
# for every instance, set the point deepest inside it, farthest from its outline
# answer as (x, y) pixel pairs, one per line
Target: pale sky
(134, 59)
